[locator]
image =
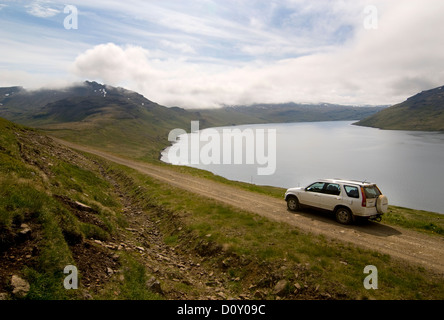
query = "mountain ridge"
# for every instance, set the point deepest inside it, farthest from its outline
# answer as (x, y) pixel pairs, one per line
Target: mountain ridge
(112, 118)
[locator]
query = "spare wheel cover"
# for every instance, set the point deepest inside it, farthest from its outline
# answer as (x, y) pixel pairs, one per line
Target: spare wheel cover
(382, 204)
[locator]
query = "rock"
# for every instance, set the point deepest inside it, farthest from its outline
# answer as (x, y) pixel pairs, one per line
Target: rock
(83, 207)
(4, 296)
(187, 282)
(222, 295)
(154, 285)
(226, 262)
(25, 229)
(280, 288)
(259, 295)
(20, 286)
(326, 295)
(24, 233)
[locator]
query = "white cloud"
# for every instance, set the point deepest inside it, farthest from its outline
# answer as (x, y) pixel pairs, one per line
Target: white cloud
(403, 56)
(42, 9)
(34, 80)
(180, 47)
(209, 53)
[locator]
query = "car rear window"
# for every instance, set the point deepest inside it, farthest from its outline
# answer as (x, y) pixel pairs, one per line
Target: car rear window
(372, 192)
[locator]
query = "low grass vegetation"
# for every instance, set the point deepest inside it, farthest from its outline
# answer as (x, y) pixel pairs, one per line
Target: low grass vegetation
(39, 188)
(419, 220)
(255, 247)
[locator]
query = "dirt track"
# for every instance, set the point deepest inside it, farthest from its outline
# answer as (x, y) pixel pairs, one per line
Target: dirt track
(414, 247)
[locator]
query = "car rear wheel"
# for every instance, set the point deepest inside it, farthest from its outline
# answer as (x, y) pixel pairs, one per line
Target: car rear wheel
(293, 203)
(344, 215)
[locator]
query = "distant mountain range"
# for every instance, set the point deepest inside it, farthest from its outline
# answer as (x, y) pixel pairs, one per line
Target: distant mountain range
(125, 122)
(422, 112)
(287, 112)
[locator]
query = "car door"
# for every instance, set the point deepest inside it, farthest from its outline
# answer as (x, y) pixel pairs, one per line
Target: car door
(311, 195)
(330, 197)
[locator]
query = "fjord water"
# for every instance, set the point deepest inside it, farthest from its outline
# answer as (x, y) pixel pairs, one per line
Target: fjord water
(408, 166)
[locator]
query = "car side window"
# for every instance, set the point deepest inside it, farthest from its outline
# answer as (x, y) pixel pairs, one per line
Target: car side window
(316, 187)
(352, 191)
(333, 188)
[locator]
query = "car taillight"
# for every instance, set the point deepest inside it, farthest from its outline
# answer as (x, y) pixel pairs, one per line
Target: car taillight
(378, 190)
(364, 198)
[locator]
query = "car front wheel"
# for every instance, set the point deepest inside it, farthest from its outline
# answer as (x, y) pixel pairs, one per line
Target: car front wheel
(344, 215)
(293, 204)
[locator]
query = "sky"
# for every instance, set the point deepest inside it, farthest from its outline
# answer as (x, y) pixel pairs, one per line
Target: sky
(211, 53)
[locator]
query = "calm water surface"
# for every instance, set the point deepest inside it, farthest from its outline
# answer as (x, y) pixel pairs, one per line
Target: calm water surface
(407, 166)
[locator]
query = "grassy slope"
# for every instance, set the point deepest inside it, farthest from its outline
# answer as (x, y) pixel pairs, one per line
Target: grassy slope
(38, 183)
(400, 117)
(252, 252)
(422, 112)
(122, 128)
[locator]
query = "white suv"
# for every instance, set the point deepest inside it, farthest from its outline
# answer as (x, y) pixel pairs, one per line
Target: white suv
(346, 198)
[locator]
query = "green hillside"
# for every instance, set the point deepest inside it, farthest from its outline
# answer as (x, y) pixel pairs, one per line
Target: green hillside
(422, 112)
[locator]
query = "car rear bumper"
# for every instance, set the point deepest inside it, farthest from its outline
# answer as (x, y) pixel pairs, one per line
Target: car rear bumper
(367, 212)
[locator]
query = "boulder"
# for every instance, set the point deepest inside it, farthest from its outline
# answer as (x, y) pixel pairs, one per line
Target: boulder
(280, 288)
(20, 287)
(154, 285)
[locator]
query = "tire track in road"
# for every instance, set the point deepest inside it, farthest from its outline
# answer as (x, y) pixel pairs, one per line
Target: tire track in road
(411, 246)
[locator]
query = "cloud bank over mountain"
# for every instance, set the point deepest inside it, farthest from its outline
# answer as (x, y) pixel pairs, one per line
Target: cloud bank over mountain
(209, 53)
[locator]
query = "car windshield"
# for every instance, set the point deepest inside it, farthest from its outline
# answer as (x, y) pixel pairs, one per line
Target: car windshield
(372, 192)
